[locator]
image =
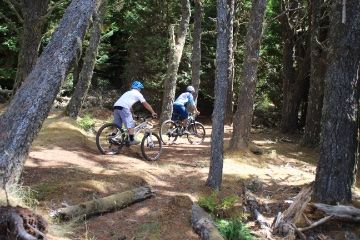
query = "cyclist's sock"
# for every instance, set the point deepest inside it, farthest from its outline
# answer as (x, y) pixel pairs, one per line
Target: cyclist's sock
(131, 137)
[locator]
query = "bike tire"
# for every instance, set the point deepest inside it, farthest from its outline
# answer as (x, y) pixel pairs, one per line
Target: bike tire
(151, 151)
(168, 132)
(197, 133)
(104, 141)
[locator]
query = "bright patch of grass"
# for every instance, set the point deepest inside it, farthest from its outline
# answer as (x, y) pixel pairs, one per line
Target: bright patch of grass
(87, 122)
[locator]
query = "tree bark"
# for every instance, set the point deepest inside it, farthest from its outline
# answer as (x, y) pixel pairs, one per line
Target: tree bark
(86, 73)
(18, 128)
(224, 47)
(33, 12)
(176, 49)
(243, 115)
(317, 74)
(339, 147)
(196, 54)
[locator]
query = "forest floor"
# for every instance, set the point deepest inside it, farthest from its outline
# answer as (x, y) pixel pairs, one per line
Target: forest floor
(64, 166)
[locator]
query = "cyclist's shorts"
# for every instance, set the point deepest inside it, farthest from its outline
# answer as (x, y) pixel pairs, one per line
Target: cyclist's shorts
(179, 112)
(124, 116)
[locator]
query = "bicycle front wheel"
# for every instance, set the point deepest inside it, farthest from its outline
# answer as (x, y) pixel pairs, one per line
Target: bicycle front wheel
(151, 146)
(168, 132)
(109, 139)
(196, 133)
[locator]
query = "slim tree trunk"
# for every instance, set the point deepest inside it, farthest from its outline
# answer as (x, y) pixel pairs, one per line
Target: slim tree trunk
(176, 49)
(18, 128)
(243, 116)
(33, 12)
(339, 146)
(224, 47)
(318, 68)
(86, 73)
(196, 54)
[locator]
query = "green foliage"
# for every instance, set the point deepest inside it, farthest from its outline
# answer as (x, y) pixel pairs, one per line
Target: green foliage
(209, 202)
(228, 218)
(220, 207)
(234, 229)
(87, 122)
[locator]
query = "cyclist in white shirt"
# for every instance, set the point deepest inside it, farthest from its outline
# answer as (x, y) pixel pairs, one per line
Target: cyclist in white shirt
(122, 108)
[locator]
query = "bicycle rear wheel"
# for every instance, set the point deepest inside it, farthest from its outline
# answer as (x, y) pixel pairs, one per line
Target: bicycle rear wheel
(109, 139)
(168, 132)
(196, 133)
(151, 146)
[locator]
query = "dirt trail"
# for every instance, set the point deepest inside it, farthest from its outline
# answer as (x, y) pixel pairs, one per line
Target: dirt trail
(64, 166)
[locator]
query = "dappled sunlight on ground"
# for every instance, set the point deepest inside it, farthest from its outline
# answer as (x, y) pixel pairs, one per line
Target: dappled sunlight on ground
(64, 166)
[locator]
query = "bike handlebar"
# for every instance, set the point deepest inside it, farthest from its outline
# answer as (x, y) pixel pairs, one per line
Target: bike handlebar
(144, 118)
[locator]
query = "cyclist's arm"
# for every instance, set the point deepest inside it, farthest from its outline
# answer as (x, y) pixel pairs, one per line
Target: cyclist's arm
(192, 104)
(194, 108)
(149, 108)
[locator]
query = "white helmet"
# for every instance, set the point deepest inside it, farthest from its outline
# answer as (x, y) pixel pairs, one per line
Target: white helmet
(190, 89)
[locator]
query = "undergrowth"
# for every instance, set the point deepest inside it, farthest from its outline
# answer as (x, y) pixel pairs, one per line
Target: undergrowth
(229, 218)
(87, 122)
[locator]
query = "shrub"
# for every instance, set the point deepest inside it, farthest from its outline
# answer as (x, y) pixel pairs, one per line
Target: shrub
(234, 229)
(87, 122)
(220, 208)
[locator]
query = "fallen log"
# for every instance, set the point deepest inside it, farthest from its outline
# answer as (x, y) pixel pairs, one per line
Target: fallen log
(339, 212)
(103, 205)
(252, 203)
(203, 225)
(21, 224)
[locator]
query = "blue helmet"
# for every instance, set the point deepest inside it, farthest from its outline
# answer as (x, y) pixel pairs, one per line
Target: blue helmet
(137, 85)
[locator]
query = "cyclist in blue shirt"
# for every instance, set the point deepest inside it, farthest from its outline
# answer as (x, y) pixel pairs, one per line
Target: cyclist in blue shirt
(180, 105)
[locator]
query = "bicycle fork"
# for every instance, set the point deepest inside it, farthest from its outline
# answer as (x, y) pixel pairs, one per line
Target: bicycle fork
(149, 140)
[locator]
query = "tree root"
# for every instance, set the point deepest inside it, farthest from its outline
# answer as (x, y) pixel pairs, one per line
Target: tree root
(21, 224)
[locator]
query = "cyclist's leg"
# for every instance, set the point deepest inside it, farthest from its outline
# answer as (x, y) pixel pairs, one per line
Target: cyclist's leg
(129, 123)
(117, 117)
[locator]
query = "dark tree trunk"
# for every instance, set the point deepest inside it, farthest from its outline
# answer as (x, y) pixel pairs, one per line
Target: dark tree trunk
(294, 53)
(18, 128)
(338, 143)
(288, 119)
(86, 73)
(318, 68)
(224, 47)
(196, 54)
(176, 49)
(76, 72)
(33, 12)
(243, 116)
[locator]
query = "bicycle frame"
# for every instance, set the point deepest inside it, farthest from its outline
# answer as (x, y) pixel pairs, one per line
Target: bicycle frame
(139, 128)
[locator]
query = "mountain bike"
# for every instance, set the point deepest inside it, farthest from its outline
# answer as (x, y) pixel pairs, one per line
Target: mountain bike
(111, 138)
(170, 130)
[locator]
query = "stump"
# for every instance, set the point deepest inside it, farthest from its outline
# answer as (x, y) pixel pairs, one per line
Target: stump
(21, 224)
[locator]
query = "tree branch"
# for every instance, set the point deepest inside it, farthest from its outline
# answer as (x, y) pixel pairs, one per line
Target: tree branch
(8, 20)
(52, 8)
(286, 11)
(12, 7)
